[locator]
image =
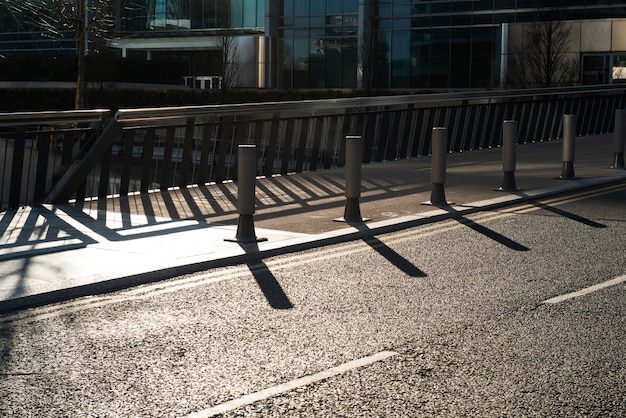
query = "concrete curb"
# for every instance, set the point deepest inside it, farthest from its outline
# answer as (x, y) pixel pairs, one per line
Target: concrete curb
(252, 252)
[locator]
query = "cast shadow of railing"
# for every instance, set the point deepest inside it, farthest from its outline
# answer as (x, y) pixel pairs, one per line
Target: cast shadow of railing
(279, 196)
(29, 232)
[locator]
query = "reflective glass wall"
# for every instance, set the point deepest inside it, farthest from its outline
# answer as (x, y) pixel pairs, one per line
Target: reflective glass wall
(413, 44)
(318, 43)
(183, 15)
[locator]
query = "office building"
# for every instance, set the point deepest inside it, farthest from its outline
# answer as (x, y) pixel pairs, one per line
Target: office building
(344, 44)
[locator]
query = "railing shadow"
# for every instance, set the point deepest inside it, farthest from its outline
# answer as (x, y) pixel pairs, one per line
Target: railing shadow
(41, 232)
(280, 196)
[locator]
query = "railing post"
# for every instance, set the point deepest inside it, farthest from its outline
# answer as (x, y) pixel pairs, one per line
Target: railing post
(246, 185)
(618, 138)
(509, 142)
(569, 137)
(352, 211)
(439, 143)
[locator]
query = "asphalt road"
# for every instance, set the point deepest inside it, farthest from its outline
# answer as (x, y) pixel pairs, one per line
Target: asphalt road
(456, 318)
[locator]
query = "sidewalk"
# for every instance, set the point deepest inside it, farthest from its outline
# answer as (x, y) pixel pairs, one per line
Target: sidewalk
(54, 253)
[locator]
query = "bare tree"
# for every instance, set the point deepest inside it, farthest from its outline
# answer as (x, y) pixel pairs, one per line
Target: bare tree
(231, 61)
(55, 18)
(542, 59)
(229, 44)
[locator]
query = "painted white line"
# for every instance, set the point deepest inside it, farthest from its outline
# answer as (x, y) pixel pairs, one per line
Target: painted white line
(586, 290)
(288, 386)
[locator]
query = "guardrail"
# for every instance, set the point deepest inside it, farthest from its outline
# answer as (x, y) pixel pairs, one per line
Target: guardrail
(58, 156)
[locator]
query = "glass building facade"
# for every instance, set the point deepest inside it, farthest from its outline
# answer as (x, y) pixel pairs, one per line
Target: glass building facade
(410, 44)
(348, 44)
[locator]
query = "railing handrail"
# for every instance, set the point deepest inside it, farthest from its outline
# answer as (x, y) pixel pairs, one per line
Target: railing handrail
(321, 106)
(55, 155)
(52, 117)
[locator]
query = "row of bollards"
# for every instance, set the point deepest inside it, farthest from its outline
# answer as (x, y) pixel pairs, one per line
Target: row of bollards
(247, 163)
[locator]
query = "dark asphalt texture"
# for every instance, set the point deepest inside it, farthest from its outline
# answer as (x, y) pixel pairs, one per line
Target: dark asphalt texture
(459, 301)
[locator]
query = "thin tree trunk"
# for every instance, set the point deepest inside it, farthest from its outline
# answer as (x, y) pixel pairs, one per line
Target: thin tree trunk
(81, 32)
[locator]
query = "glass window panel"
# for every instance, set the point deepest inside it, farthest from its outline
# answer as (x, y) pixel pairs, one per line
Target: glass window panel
(483, 5)
(421, 22)
(483, 18)
(333, 66)
(318, 7)
(236, 15)
(286, 65)
(332, 6)
(504, 17)
(421, 8)
(420, 58)
(401, 23)
(384, 24)
(301, 33)
(463, 6)
(401, 9)
(260, 13)
(316, 65)
(249, 13)
(400, 59)
(301, 21)
(301, 63)
(318, 20)
(441, 7)
(301, 8)
(440, 20)
(287, 7)
(461, 19)
(384, 11)
(350, 6)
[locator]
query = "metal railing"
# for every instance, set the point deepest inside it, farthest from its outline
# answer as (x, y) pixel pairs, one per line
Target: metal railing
(58, 156)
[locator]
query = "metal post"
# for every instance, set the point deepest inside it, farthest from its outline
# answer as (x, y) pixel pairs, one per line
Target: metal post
(246, 182)
(619, 138)
(569, 136)
(438, 166)
(352, 211)
(509, 142)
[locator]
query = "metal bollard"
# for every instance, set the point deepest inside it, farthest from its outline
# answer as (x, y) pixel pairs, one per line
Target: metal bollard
(246, 182)
(569, 136)
(438, 166)
(352, 211)
(619, 138)
(509, 142)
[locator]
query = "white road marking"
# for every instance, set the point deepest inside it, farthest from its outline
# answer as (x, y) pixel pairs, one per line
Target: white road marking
(586, 290)
(289, 386)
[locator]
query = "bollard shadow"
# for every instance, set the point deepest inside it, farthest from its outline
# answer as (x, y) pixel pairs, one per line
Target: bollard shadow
(483, 230)
(568, 215)
(392, 256)
(267, 282)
